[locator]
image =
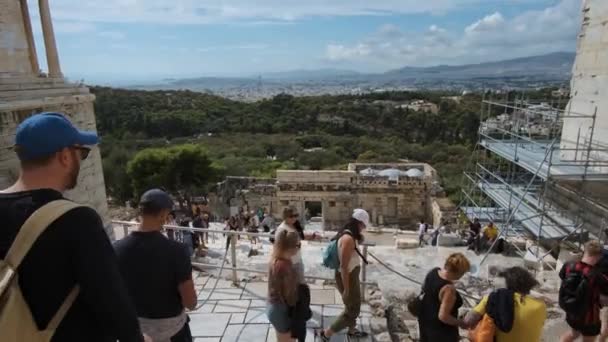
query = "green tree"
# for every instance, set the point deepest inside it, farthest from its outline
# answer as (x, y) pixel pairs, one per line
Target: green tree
(182, 170)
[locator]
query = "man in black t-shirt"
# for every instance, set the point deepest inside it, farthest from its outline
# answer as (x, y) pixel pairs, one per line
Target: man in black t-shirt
(158, 272)
(74, 249)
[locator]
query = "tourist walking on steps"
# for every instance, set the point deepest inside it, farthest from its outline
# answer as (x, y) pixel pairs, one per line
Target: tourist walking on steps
(231, 225)
(438, 318)
(583, 317)
(200, 223)
(282, 284)
(158, 273)
(290, 218)
(517, 316)
(268, 223)
(474, 230)
(422, 228)
(347, 277)
(187, 236)
(171, 222)
(254, 224)
(72, 257)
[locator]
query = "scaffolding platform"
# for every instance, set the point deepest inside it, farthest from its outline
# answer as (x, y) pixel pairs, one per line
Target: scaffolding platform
(494, 214)
(528, 215)
(531, 156)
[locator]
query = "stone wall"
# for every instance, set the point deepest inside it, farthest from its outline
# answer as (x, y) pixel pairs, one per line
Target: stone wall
(246, 193)
(14, 50)
(21, 98)
(399, 203)
(589, 85)
(442, 210)
(591, 211)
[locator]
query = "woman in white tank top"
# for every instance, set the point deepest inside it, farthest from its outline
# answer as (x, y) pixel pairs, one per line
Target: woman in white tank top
(347, 276)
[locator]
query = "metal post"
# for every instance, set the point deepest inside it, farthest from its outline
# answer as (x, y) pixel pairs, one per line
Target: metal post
(235, 277)
(363, 273)
(526, 189)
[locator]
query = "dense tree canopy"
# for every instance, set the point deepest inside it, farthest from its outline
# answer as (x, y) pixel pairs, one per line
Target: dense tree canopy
(173, 114)
(187, 139)
(181, 170)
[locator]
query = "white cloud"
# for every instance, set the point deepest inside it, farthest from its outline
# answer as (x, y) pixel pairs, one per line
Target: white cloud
(112, 35)
(490, 22)
(262, 11)
(336, 52)
(493, 37)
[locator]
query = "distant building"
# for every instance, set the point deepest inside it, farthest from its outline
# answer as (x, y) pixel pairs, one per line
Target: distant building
(421, 106)
(394, 194)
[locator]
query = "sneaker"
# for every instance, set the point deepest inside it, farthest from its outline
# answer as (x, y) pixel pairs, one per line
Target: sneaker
(321, 335)
(357, 333)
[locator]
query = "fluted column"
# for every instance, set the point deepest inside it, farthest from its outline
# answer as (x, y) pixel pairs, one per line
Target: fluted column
(29, 35)
(52, 57)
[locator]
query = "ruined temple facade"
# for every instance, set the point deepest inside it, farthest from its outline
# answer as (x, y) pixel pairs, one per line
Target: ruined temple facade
(395, 195)
(26, 90)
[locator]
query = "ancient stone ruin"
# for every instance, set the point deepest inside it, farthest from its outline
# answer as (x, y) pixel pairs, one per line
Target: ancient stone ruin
(26, 90)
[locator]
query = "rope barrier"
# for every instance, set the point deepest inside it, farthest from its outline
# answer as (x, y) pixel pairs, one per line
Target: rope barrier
(462, 292)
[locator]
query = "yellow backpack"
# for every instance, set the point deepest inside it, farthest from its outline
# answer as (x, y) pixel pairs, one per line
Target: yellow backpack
(16, 321)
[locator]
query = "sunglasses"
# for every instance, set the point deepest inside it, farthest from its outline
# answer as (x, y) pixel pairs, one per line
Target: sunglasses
(84, 152)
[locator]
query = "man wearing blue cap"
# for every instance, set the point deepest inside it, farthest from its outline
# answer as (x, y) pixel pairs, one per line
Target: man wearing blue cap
(72, 253)
(158, 272)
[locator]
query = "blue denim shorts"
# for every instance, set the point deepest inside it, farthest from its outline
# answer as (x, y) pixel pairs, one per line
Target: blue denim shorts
(278, 315)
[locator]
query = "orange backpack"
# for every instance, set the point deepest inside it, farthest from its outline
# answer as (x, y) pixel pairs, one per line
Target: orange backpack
(484, 331)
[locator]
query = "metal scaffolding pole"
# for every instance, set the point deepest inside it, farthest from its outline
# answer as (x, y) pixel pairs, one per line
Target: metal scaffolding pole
(518, 203)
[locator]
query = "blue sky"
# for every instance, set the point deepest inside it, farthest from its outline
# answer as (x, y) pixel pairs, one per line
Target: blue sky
(151, 39)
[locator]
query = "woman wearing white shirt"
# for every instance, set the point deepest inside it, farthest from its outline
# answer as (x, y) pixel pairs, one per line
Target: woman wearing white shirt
(347, 277)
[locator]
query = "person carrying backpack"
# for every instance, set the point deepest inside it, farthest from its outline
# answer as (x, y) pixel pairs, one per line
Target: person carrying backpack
(509, 314)
(61, 280)
(347, 274)
(579, 294)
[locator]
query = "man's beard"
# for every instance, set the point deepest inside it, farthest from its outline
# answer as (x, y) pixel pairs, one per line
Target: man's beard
(73, 176)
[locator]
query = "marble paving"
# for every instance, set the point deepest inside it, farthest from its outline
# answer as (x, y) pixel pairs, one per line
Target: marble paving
(227, 313)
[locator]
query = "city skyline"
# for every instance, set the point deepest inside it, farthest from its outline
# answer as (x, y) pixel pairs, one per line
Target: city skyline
(149, 40)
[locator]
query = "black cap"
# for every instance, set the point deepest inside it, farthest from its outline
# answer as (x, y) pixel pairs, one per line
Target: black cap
(156, 199)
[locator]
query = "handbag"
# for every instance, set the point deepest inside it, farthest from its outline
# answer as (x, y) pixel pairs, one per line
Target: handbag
(414, 305)
(484, 331)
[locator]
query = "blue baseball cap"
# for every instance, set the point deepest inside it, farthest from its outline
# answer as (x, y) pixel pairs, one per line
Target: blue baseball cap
(43, 134)
(156, 199)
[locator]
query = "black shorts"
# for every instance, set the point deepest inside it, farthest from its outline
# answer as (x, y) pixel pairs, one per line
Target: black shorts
(586, 329)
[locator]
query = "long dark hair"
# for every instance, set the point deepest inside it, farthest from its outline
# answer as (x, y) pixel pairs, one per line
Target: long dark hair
(353, 226)
(298, 226)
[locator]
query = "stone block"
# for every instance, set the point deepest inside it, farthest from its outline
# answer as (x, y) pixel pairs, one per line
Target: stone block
(405, 243)
(449, 240)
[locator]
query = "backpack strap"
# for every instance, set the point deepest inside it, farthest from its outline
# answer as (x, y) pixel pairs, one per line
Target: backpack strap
(348, 232)
(33, 227)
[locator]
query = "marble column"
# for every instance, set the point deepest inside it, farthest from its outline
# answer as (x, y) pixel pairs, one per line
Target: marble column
(29, 35)
(52, 57)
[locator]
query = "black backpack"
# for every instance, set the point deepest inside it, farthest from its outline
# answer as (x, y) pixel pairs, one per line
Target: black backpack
(575, 291)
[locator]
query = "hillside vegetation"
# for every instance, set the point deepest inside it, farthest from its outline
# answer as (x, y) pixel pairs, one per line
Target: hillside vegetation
(285, 132)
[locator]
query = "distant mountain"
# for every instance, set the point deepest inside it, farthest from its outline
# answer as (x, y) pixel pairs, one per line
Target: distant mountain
(535, 71)
(557, 64)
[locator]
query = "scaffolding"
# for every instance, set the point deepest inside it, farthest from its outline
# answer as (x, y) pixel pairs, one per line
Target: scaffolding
(517, 161)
